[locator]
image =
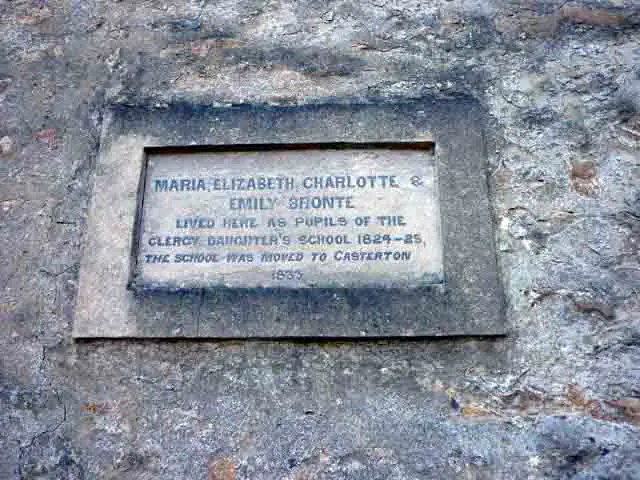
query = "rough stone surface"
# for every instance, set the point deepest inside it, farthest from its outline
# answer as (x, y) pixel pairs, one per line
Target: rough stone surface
(557, 398)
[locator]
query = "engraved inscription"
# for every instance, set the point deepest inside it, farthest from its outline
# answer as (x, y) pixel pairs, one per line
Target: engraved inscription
(356, 217)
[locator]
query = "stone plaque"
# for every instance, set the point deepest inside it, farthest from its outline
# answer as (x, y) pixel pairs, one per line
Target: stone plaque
(338, 220)
(296, 217)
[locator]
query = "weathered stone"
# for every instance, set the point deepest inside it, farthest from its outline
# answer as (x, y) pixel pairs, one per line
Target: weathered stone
(529, 24)
(35, 16)
(221, 469)
(555, 398)
(7, 146)
(591, 16)
(584, 177)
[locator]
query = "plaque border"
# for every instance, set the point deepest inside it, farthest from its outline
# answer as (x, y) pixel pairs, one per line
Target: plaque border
(471, 305)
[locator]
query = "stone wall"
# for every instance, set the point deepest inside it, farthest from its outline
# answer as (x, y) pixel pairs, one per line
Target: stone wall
(559, 397)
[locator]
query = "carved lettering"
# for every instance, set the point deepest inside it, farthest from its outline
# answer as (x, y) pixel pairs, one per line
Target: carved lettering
(297, 219)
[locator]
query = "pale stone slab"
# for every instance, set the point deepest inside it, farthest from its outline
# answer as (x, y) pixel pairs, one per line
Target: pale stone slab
(293, 218)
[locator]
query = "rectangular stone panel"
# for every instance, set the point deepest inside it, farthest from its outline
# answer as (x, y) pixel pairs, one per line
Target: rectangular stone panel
(171, 179)
(297, 216)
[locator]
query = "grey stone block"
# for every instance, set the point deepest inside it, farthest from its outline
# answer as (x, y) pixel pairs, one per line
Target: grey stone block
(470, 303)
